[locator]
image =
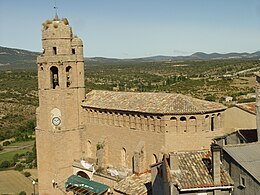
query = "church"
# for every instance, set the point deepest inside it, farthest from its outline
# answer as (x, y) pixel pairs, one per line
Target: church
(126, 131)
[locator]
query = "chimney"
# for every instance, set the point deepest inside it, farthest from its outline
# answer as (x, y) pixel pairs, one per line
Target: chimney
(257, 91)
(215, 151)
(174, 162)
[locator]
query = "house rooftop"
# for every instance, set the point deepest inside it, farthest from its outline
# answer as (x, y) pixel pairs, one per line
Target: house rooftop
(157, 103)
(134, 184)
(249, 107)
(248, 156)
(195, 171)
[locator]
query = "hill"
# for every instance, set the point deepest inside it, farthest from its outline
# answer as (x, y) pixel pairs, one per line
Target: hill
(17, 58)
(11, 58)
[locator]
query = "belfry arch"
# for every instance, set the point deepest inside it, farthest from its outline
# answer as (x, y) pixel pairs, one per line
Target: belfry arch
(54, 71)
(68, 76)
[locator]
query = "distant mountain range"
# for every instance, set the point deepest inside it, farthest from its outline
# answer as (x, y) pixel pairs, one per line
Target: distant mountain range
(17, 58)
(205, 56)
(23, 59)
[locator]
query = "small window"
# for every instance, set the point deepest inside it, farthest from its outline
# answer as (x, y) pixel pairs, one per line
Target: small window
(73, 51)
(242, 181)
(54, 50)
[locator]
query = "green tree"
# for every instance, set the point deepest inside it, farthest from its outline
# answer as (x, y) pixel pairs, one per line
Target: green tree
(5, 164)
(210, 98)
(27, 174)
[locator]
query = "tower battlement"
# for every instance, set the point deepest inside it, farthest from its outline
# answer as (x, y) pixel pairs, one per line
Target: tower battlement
(58, 39)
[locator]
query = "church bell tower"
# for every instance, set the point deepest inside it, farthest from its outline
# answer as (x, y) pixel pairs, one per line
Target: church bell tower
(61, 90)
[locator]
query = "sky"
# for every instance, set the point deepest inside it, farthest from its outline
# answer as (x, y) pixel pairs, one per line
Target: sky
(138, 28)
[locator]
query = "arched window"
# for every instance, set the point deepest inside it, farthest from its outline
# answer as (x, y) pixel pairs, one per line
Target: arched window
(123, 157)
(95, 116)
(132, 121)
(83, 174)
(110, 118)
(105, 117)
(68, 75)
(145, 123)
(212, 124)
(183, 124)
(127, 120)
(121, 120)
(151, 123)
(192, 124)
(158, 124)
(173, 124)
(207, 123)
(54, 77)
(116, 119)
(138, 121)
(100, 117)
(91, 115)
(54, 50)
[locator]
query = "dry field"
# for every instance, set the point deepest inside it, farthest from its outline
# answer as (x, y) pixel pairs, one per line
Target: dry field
(244, 82)
(13, 182)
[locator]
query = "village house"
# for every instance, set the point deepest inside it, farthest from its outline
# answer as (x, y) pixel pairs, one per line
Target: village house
(242, 161)
(240, 116)
(195, 172)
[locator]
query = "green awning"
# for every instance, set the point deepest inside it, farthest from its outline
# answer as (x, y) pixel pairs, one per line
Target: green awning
(82, 185)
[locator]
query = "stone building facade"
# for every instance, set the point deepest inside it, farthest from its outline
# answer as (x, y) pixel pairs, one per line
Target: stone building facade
(124, 130)
(242, 161)
(240, 116)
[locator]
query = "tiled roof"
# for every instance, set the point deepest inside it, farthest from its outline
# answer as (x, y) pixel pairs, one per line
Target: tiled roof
(158, 103)
(134, 184)
(193, 172)
(249, 107)
(248, 156)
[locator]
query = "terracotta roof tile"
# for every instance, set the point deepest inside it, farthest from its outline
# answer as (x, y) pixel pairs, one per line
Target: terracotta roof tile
(134, 184)
(194, 173)
(249, 107)
(158, 103)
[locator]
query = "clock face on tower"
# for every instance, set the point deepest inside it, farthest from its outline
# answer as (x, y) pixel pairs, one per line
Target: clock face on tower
(56, 121)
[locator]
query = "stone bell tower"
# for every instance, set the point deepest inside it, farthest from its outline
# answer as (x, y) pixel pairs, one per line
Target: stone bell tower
(61, 91)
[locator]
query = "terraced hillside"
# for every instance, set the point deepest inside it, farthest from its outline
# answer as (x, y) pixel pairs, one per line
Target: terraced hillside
(18, 102)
